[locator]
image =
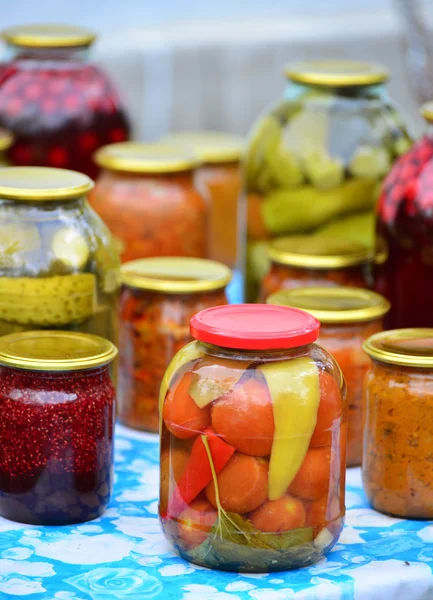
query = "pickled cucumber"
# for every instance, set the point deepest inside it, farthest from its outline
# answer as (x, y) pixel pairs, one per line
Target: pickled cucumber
(70, 248)
(355, 228)
(257, 259)
(323, 171)
(370, 161)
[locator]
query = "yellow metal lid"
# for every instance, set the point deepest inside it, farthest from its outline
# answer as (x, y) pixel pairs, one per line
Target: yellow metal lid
(176, 275)
(334, 304)
(138, 157)
(427, 111)
(47, 35)
(42, 183)
(337, 73)
(318, 253)
(55, 351)
(211, 147)
(6, 139)
(406, 347)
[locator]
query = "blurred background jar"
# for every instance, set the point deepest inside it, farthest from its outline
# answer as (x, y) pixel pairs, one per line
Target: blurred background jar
(6, 141)
(59, 107)
(314, 162)
(59, 268)
(147, 196)
(398, 423)
(158, 298)
(348, 316)
(303, 261)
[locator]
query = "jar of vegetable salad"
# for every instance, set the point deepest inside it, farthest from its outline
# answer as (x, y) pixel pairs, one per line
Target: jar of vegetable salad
(56, 431)
(307, 261)
(6, 141)
(253, 441)
(147, 196)
(398, 423)
(158, 298)
(348, 316)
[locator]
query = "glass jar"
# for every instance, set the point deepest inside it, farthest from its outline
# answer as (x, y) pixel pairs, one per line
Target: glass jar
(59, 268)
(147, 196)
(348, 316)
(405, 227)
(6, 141)
(398, 417)
(307, 261)
(315, 161)
(59, 108)
(158, 298)
(253, 442)
(56, 431)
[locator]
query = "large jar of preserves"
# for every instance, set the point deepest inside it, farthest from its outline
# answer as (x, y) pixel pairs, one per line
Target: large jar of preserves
(6, 141)
(59, 107)
(56, 431)
(147, 196)
(398, 423)
(348, 316)
(158, 298)
(253, 441)
(59, 268)
(315, 160)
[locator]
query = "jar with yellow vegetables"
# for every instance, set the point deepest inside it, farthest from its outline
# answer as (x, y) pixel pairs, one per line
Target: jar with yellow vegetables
(253, 441)
(6, 141)
(314, 163)
(58, 265)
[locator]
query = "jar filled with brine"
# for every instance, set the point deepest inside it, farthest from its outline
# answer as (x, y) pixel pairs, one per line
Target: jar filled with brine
(147, 196)
(253, 441)
(315, 161)
(59, 268)
(6, 141)
(59, 107)
(158, 298)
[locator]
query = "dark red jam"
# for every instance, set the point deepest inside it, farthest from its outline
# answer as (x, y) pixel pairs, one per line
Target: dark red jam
(56, 445)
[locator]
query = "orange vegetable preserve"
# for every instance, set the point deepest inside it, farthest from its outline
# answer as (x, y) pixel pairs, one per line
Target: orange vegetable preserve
(158, 298)
(398, 423)
(253, 441)
(348, 316)
(147, 196)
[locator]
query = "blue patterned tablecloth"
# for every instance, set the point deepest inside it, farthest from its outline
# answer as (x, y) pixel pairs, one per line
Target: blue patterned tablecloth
(124, 555)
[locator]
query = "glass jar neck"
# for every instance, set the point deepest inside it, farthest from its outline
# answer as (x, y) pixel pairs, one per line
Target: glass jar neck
(62, 55)
(253, 355)
(360, 92)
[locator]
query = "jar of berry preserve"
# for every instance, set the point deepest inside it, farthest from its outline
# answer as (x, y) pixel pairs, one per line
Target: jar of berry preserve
(253, 441)
(59, 268)
(398, 423)
(6, 141)
(56, 431)
(315, 161)
(158, 298)
(59, 107)
(309, 261)
(348, 316)
(147, 196)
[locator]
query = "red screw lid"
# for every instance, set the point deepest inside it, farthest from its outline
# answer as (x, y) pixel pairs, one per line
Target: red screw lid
(255, 327)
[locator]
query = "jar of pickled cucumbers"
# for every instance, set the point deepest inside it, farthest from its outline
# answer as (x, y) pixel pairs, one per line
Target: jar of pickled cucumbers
(6, 141)
(253, 441)
(158, 298)
(307, 261)
(59, 268)
(59, 107)
(398, 423)
(314, 163)
(147, 196)
(348, 316)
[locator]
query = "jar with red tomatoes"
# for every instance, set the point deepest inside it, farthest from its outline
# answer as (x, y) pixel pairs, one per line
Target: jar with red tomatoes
(59, 107)
(253, 441)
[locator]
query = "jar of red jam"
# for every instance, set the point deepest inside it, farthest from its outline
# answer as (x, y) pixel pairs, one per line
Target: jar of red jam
(158, 298)
(307, 261)
(253, 441)
(348, 316)
(6, 141)
(147, 196)
(59, 107)
(56, 431)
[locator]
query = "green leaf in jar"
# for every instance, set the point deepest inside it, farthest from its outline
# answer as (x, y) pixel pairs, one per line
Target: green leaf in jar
(70, 248)
(212, 379)
(15, 240)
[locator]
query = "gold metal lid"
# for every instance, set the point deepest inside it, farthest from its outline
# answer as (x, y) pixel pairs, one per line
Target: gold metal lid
(48, 36)
(334, 304)
(406, 347)
(138, 157)
(318, 253)
(337, 73)
(211, 147)
(6, 139)
(55, 351)
(427, 111)
(176, 275)
(42, 183)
